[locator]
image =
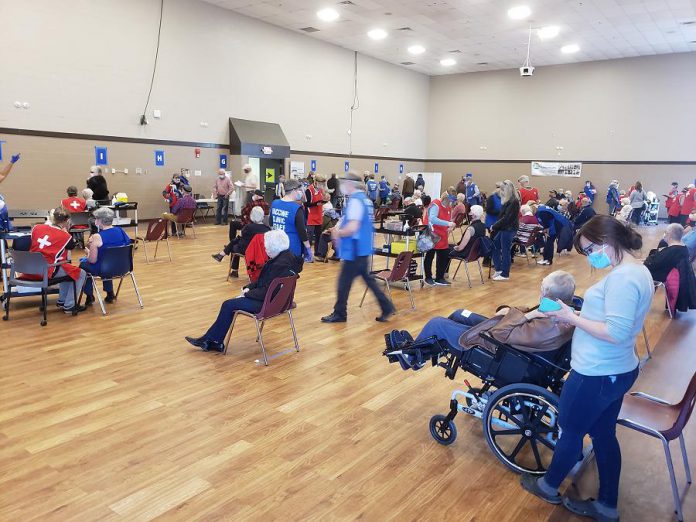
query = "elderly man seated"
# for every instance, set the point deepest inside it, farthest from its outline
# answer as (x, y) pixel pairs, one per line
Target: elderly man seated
(239, 244)
(669, 254)
(526, 331)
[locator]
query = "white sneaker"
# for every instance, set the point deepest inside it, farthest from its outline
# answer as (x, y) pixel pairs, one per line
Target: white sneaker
(500, 278)
(496, 274)
(543, 262)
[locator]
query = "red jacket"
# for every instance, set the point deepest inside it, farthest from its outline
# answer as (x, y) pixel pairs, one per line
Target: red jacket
(52, 243)
(528, 194)
(688, 203)
(255, 256)
(314, 206)
(74, 204)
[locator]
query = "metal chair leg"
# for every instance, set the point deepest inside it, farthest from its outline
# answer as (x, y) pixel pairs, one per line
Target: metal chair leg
(466, 269)
(389, 294)
(118, 288)
(478, 261)
(229, 333)
(457, 270)
(647, 343)
(137, 291)
(294, 332)
(673, 481)
(363, 297)
(156, 247)
(193, 229)
(687, 468)
(410, 294)
(169, 250)
(98, 294)
(263, 347)
(147, 260)
(257, 337)
(44, 302)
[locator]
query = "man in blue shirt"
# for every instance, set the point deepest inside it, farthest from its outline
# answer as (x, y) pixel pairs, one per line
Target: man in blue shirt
(384, 190)
(473, 194)
(371, 185)
(354, 234)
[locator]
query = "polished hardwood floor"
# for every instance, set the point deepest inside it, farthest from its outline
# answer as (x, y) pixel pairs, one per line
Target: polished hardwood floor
(118, 418)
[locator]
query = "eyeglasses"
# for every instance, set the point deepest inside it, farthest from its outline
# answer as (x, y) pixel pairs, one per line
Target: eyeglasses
(590, 249)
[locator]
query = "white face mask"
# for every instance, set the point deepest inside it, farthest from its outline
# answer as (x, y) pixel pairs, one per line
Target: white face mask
(298, 195)
(221, 176)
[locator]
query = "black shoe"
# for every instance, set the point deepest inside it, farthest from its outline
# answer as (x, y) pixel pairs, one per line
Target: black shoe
(110, 297)
(334, 258)
(429, 281)
(218, 257)
(75, 309)
(206, 345)
(89, 300)
(333, 318)
(60, 304)
(234, 273)
(386, 315)
(442, 282)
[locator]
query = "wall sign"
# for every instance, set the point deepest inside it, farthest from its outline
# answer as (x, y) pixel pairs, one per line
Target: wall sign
(346, 166)
(270, 175)
(376, 168)
(100, 156)
(401, 168)
(267, 150)
(223, 161)
(313, 165)
(552, 168)
(1, 142)
(159, 158)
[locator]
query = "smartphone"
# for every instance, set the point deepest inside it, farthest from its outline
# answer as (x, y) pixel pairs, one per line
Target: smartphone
(548, 305)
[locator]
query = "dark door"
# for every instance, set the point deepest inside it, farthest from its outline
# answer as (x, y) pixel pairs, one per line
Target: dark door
(271, 169)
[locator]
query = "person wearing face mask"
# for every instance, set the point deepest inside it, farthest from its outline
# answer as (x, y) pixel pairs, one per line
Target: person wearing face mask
(287, 214)
(108, 236)
(97, 182)
(354, 235)
(438, 216)
(251, 182)
(221, 190)
(604, 364)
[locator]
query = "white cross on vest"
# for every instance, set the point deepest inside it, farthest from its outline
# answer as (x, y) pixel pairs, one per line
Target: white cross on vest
(44, 242)
(74, 204)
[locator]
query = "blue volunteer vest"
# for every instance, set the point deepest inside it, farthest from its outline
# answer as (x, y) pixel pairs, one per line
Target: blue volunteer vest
(283, 218)
(351, 247)
(470, 191)
(372, 188)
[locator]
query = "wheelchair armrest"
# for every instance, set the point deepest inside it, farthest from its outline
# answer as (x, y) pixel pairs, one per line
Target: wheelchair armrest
(651, 398)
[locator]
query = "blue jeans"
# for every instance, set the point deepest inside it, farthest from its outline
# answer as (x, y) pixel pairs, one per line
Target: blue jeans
(93, 269)
(221, 215)
(590, 406)
(449, 329)
(502, 244)
(218, 330)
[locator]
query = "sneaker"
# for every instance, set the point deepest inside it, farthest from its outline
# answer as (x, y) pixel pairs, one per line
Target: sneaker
(587, 508)
(234, 273)
(333, 318)
(497, 273)
(529, 483)
(500, 277)
(544, 262)
(442, 282)
(110, 297)
(60, 304)
(75, 309)
(429, 281)
(218, 257)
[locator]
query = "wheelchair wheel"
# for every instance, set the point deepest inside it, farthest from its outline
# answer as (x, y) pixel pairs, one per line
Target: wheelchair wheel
(520, 424)
(442, 430)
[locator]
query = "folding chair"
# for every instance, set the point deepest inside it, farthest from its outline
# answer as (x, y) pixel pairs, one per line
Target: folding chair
(474, 255)
(279, 300)
(241, 257)
(183, 218)
(458, 224)
(79, 224)
(33, 263)
(156, 232)
(664, 421)
(526, 238)
(397, 274)
(116, 263)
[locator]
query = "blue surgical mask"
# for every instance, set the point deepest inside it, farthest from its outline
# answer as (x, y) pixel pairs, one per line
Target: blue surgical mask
(298, 195)
(599, 259)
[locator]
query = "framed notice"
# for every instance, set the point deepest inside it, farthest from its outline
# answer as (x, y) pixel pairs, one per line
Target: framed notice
(556, 168)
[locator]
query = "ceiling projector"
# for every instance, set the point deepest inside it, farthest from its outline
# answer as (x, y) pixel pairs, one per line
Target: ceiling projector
(527, 70)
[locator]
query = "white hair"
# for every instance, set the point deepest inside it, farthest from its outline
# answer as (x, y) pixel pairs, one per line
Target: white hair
(507, 192)
(95, 170)
(246, 167)
(559, 285)
(87, 193)
(256, 215)
(674, 231)
(275, 242)
(526, 210)
(476, 211)
(417, 194)
(523, 179)
(105, 215)
(221, 172)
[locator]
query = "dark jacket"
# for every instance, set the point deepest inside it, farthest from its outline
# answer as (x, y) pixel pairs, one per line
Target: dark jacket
(409, 186)
(413, 212)
(509, 218)
(248, 233)
(584, 216)
(98, 185)
(283, 265)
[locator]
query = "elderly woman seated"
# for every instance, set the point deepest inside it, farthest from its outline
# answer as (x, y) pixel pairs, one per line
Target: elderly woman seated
(239, 244)
(528, 331)
(107, 236)
(475, 230)
(281, 263)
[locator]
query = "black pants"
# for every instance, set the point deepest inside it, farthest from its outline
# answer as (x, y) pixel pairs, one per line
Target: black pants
(635, 215)
(234, 247)
(349, 271)
(315, 237)
(322, 247)
(674, 219)
(221, 212)
(440, 265)
(235, 226)
(682, 219)
(549, 247)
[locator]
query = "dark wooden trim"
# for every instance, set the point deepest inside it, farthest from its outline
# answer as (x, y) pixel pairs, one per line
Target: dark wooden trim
(225, 146)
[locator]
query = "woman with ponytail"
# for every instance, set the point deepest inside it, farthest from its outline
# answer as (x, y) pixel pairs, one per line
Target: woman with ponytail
(603, 363)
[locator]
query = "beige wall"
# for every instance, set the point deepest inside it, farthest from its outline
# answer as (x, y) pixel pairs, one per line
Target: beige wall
(637, 109)
(85, 67)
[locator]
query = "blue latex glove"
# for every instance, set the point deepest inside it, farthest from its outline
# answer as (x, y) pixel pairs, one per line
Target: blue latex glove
(15, 158)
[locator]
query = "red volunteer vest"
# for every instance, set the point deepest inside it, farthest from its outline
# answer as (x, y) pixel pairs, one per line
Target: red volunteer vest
(74, 204)
(673, 206)
(688, 202)
(314, 214)
(528, 194)
(445, 214)
(51, 242)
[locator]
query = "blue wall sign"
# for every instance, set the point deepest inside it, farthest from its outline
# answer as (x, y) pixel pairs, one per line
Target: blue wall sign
(100, 156)
(159, 158)
(401, 168)
(223, 161)
(376, 168)
(346, 166)
(313, 165)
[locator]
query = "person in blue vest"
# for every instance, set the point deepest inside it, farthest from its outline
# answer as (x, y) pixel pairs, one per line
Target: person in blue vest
(384, 190)
(555, 224)
(287, 214)
(473, 194)
(590, 191)
(372, 187)
(354, 234)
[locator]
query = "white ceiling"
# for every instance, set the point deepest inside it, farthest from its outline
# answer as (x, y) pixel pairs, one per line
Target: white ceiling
(482, 31)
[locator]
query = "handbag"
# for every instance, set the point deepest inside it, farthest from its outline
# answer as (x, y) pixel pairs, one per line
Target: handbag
(427, 240)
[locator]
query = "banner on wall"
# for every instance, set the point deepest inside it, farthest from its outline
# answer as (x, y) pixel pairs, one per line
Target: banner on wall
(556, 168)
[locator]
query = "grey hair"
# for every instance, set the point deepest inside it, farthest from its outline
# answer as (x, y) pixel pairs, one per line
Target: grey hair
(476, 211)
(291, 184)
(275, 242)
(559, 285)
(105, 215)
(87, 193)
(675, 231)
(95, 170)
(507, 192)
(256, 215)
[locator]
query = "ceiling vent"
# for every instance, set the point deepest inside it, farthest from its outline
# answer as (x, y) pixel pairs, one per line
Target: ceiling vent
(408, 63)
(404, 29)
(310, 29)
(456, 51)
(482, 63)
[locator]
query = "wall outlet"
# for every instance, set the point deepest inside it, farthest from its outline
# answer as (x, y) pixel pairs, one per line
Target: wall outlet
(113, 171)
(157, 113)
(138, 170)
(125, 171)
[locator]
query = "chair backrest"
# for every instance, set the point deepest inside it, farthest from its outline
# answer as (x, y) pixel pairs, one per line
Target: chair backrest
(672, 289)
(33, 263)
(156, 230)
(381, 213)
(527, 234)
(185, 215)
(474, 250)
(279, 297)
(400, 269)
(686, 406)
(79, 218)
(459, 219)
(116, 261)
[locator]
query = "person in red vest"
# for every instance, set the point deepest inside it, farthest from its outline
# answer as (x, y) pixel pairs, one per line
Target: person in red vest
(73, 203)
(315, 216)
(673, 204)
(527, 194)
(688, 204)
(52, 241)
(438, 216)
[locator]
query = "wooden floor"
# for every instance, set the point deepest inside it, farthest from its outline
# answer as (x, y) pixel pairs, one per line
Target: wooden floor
(118, 418)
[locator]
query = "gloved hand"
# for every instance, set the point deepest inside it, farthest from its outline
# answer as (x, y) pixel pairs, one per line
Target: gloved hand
(309, 258)
(15, 158)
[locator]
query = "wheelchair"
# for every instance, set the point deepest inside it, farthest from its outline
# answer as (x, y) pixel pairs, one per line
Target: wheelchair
(517, 401)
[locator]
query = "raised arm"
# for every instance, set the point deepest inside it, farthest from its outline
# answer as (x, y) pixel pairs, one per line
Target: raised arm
(8, 168)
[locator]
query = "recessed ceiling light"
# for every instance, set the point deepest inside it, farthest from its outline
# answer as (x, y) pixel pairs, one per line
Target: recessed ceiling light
(448, 62)
(377, 34)
(416, 49)
(328, 15)
(520, 12)
(548, 32)
(570, 48)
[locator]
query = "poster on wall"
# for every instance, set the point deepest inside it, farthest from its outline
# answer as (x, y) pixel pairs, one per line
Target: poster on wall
(297, 169)
(556, 168)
